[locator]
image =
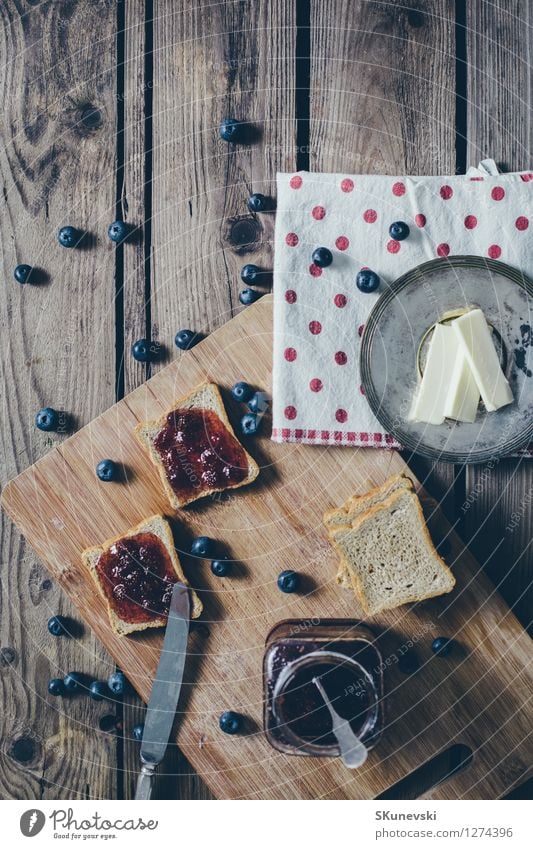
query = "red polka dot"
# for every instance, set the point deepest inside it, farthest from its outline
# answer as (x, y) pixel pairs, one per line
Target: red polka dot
(370, 216)
(494, 251)
(290, 412)
(420, 220)
(295, 182)
(477, 179)
(498, 193)
(526, 178)
(341, 415)
(340, 358)
(393, 246)
(446, 192)
(318, 212)
(290, 296)
(362, 389)
(470, 222)
(342, 243)
(521, 223)
(315, 327)
(290, 354)
(347, 185)
(315, 270)
(443, 249)
(340, 301)
(360, 329)
(291, 240)
(315, 385)
(398, 189)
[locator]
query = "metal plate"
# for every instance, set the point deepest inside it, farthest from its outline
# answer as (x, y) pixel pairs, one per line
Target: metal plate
(397, 325)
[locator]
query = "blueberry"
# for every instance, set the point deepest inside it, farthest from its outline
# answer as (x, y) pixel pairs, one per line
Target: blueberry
(221, 568)
(117, 683)
(249, 424)
(288, 581)
(106, 470)
(249, 296)
(47, 419)
(258, 202)
(322, 257)
(367, 281)
(203, 547)
(56, 687)
(230, 722)
(98, 691)
(137, 732)
(57, 626)
(22, 273)
(185, 339)
(442, 646)
(258, 404)
(144, 351)
(241, 391)
(399, 230)
(69, 237)
(74, 682)
(408, 662)
(251, 274)
(231, 130)
(118, 231)
(109, 723)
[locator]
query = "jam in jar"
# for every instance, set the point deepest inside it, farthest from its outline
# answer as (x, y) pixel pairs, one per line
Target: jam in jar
(199, 453)
(137, 576)
(344, 655)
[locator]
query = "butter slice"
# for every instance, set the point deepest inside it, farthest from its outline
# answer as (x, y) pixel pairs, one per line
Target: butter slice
(431, 396)
(475, 339)
(463, 395)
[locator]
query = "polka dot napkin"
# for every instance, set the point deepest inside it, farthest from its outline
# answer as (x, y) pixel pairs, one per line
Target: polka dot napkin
(319, 314)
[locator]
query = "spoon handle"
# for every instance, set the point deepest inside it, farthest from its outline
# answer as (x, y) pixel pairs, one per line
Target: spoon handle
(353, 752)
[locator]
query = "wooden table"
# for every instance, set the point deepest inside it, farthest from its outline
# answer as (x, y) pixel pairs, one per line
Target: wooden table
(112, 109)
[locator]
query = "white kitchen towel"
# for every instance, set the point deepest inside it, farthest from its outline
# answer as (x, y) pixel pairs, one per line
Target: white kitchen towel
(319, 314)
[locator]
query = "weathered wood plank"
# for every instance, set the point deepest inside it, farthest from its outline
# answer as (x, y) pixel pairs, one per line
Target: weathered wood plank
(57, 163)
(498, 510)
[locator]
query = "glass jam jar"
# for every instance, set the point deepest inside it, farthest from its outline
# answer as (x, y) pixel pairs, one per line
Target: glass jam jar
(343, 653)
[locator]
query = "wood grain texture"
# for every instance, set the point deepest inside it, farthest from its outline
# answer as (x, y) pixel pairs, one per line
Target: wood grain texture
(479, 699)
(57, 163)
(498, 507)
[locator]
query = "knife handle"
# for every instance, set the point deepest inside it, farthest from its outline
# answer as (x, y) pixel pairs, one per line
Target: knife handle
(144, 782)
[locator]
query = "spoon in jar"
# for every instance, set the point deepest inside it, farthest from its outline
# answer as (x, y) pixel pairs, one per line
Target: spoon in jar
(353, 752)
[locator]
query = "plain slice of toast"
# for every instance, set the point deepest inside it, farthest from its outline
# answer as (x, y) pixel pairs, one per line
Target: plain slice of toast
(390, 556)
(205, 397)
(355, 506)
(158, 526)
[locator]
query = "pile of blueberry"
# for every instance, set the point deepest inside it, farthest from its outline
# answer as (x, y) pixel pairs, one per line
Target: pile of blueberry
(257, 403)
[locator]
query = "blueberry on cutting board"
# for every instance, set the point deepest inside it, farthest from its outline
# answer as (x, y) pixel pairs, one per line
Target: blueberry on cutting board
(221, 567)
(107, 470)
(442, 646)
(241, 391)
(230, 722)
(249, 424)
(288, 581)
(185, 339)
(203, 547)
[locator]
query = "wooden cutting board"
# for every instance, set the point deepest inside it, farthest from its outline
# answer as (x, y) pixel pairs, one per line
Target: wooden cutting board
(480, 697)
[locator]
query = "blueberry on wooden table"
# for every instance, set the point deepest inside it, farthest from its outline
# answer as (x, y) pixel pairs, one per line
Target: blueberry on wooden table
(144, 351)
(442, 646)
(118, 231)
(137, 731)
(288, 581)
(74, 682)
(258, 202)
(241, 391)
(322, 257)
(251, 274)
(185, 339)
(117, 683)
(22, 273)
(249, 296)
(221, 567)
(47, 419)
(107, 470)
(230, 722)
(203, 547)
(56, 687)
(231, 130)
(69, 237)
(249, 424)
(399, 230)
(98, 691)
(367, 280)
(57, 626)
(258, 403)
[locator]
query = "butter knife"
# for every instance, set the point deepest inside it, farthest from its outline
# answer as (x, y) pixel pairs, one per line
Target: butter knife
(165, 690)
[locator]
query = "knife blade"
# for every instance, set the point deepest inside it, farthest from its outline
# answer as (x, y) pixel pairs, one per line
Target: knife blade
(165, 690)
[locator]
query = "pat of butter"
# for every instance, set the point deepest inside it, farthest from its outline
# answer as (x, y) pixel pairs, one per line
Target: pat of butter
(475, 339)
(430, 399)
(463, 395)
